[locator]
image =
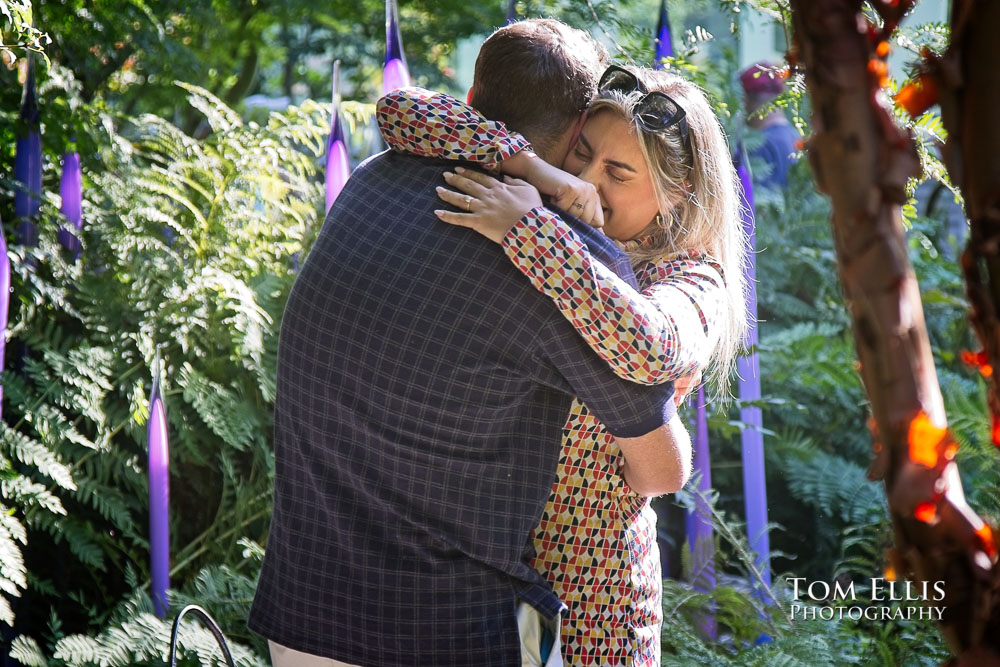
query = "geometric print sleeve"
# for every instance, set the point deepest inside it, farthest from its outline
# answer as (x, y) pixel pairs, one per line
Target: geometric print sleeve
(667, 331)
(422, 122)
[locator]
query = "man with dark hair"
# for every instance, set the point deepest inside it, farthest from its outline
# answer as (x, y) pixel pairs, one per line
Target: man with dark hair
(539, 77)
(422, 389)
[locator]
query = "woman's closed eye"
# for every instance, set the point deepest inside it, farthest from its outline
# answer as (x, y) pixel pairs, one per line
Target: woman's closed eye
(615, 177)
(584, 157)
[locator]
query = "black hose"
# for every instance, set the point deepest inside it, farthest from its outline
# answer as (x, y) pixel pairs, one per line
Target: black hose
(209, 623)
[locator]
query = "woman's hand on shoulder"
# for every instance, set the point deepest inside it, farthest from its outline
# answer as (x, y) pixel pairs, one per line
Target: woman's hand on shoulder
(490, 207)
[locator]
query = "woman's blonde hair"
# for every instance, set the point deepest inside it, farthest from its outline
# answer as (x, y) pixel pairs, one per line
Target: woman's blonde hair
(698, 200)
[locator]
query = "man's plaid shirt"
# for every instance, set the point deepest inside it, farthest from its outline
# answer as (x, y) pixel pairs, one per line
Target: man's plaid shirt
(422, 388)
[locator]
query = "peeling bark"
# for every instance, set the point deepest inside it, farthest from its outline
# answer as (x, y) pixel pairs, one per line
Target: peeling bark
(862, 160)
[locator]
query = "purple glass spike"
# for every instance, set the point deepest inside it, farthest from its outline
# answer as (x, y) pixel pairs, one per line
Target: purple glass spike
(748, 367)
(71, 190)
(701, 538)
(159, 497)
(4, 302)
(338, 166)
(28, 164)
(395, 75)
(511, 11)
(664, 47)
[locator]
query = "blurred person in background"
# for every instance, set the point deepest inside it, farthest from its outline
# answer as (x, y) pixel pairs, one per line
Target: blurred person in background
(762, 83)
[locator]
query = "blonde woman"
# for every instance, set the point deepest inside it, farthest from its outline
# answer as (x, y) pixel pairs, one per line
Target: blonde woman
(654, 169)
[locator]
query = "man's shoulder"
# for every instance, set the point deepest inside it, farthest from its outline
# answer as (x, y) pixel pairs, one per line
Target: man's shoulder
(401, 168)
(390, 185)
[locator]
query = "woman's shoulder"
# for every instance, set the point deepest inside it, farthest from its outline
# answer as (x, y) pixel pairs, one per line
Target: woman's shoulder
(673, 265)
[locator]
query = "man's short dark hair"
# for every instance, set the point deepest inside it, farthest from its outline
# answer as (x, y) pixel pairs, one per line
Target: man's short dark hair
(537, 76)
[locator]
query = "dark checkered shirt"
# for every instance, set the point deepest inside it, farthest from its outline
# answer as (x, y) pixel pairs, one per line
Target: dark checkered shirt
(423, 384)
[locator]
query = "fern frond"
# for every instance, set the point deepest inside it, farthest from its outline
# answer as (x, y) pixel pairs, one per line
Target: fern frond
(33, 453)
(27, 652)
(12, 570)
(219, 116)
(215, 405)
(28, 495)
(78, 536)
(78, 650)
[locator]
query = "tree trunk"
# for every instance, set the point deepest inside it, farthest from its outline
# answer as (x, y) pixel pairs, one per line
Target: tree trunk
(970, 83)
(970, 95)
(862, 160)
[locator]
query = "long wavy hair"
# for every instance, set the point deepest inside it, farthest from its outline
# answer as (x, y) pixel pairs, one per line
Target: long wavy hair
(698, 199)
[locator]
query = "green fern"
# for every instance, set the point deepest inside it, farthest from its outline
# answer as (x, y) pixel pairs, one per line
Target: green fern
(135, 636)
(187, 254)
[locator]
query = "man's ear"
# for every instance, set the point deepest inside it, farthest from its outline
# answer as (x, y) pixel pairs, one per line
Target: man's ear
(578, 129)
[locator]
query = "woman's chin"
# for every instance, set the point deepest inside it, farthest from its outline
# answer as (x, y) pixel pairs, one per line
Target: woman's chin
(611, 231)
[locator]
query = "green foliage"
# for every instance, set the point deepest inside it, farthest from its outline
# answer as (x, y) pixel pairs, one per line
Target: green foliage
(819, 447)
(188, 251)
(816, 444)
(17, 30)
(749, 632)
(791, 642)
(684, 642)
(129, 52)
(125, 55)
(134, 636)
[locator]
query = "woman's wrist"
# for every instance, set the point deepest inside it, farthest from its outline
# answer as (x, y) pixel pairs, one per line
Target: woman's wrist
(527, 166)
(522, 164)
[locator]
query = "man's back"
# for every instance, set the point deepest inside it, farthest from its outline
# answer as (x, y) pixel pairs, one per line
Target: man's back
(422, 387)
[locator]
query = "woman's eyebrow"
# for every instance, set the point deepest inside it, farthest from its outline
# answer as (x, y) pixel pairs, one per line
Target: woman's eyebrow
(614, 163)
(622, 165)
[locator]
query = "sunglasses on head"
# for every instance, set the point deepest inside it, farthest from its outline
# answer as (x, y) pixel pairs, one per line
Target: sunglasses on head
(655, 112)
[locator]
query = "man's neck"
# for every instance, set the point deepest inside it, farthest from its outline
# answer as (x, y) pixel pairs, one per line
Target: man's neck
(554, 154)
(555, 149)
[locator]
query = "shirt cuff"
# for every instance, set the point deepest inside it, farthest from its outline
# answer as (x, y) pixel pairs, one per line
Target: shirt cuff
(653, 421)
(504, 148)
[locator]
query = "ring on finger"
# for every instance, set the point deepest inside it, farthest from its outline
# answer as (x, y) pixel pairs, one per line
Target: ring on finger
(578, 205)
(468, 202)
